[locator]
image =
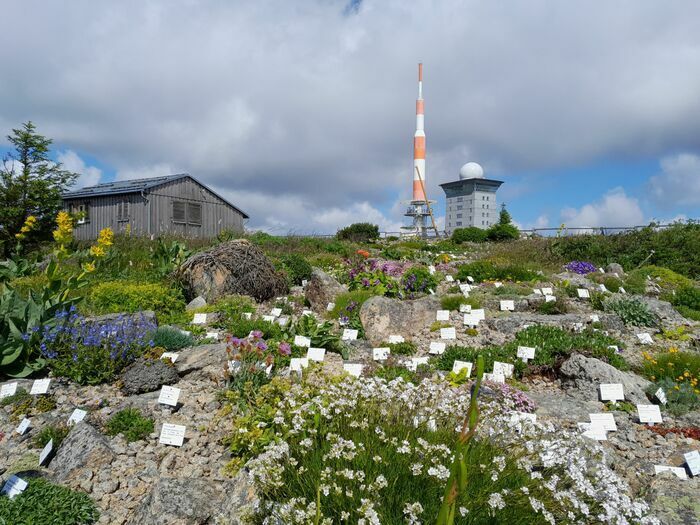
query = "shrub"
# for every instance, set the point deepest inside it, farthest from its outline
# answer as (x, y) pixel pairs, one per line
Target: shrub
(471, 234)
(418, 280)
(322, 335)
(502, 232)
(297, 268)
(557, 307)
(479, 270)
(24, 404)
(681, 397)
(44, 502)
(376, 281)
(123, 296)
(446, 360)
(242, 327)
(359, 232)
(56, 432)
(631, 311)
(687, 302)
(405, 348)
(453, 302)
(347, 309)
(131, 424)
(171, 338)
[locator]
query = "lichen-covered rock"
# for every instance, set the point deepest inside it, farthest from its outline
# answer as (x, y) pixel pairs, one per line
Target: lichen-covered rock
(147, 375)
(674, 501)
(322, 289)
(83, 448)
(382, 317)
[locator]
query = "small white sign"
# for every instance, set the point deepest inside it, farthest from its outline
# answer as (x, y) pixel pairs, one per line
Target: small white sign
(583, 293)
(437, 348)
(465, 288)
(415, 362)
(661, 396)
(213, 335)
(508, 305)
(77, 416)
(199, 319)
(13, 486)
(504, 369)
(282, 321)
(547, 291)
(394, 339)
(692, 459)
(649, 414)
(471, 320)
(593, 431)
(432, 292)
(601, 270)
(40, 386)
(578, 327)
(480, 313)
(497, 284)
(442, 315)
(23, 426)
(170, 355)
(304, 282)
(307, 312)
(605, 420)
(316, 354)
(611, 392)
(268, 318)
(526, 352)
(494, 378)
(470, 278)
(171, 434)
(465, 308)
(614, 348)
(550, 298)
(247, 315)
(678, 471)
(7, 390)
(330, 307)
(380, 354)
(595, 318)
(602, 288)
(276, 312)
(296, 364)
(458, 366)
(349, 334)
(448, 333)
(45, 452)
(169, 395)
(621, 290)
(645, 338)
(449, 279)
(431, 269)
(537, 291)
(300, 340)
(354, 369)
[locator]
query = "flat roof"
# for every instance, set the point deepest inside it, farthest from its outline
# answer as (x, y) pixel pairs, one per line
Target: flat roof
(470, 184)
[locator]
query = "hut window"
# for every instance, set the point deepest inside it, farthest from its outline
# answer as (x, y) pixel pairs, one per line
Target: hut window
(123, 211)
(81, 210)
(194, 213)
(179, 211)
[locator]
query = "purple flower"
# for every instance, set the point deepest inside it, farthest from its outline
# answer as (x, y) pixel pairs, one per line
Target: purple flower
(580, 267)
(285, 348)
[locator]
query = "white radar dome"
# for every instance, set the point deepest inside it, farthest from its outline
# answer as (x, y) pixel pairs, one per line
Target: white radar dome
(471, 170)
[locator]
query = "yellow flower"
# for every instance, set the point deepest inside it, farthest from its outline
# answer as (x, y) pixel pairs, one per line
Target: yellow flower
(673, 350)
(28, 226)
(89, 267)
(104, 240)
(97, 251)
(63, 234)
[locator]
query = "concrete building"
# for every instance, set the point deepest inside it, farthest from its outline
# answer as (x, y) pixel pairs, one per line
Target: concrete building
(175, 204)
(471, 200)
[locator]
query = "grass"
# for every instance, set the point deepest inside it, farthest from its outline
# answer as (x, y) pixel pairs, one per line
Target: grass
(171, 338)
(131, 424)
(56, 432)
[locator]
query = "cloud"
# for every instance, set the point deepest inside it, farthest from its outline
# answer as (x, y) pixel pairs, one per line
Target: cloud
(614, 209)
(145, 172)
(678, 184)
(89, 175)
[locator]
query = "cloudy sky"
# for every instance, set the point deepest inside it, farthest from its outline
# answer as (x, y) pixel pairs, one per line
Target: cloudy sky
(302, 112)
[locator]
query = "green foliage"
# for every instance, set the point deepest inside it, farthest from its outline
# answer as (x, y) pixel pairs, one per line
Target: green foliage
(405, 348)
(597, 300)
(687, 302)
(674, 365)
(56, 432)
(504, 354)
(391, 369)
(502, 232)
(242, 327)
(376, 282)
(347, 309)
(14, 268)
(18, 397)
(418, 280)
(631, 311)
(123, 296)
(297, 268)
(131, 424)
(30, 184)
(24, 404)
(471, 234)
(230, 308)
(169, 255)
(487, 271)
(437, 325)
(558, 307)
(171, 338)
(679, 333)
(321, 334)
(453, 302)
(359, 232)
(681, 397)
(45, 502)
(622, 406)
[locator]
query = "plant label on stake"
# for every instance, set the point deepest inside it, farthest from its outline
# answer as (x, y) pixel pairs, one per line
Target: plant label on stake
(354, 369)
(661, 396)
(394, 339)
(649, 414)
(199, 319)
(8, 389)
(316, 354)
(40, 386)
(692, 459)
(349, 334)
(458, 366)
(612, 392)
(442, 315)
(300, 340)
(605, 420)
(380, 354)
(437, 348)
(547, 291)
(46, 452)
(170, 355)
(583, 293)
(76, 417)
(171, 434)
(508, 305)
(504, 369)
(169, 395)
(13, 486)
(23, 426)
(448, 333)
(526, 352)
(678, 471)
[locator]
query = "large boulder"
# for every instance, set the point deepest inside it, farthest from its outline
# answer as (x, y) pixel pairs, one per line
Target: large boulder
(147, 375)
(234, 267)
(666, 313)
(585, 374)
(382, 317)
(109, 321)
(673, 501)
(83, 448)
(322, 289)
(615, 268)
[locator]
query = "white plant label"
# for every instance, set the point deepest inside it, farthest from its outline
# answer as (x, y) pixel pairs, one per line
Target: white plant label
(306, 312)
(247, 315)
(448, 333)
(282, 321)
(507, 305)
(8, 390)
(494, 378)
(547, 291)
(296, 364)
(23, 426)
(649, 414)
(592, 431)
(76, 417)
(415, 362)
(13, 486)
(449, 279)
(442, 315)
(614, 348)
(537, 291)
(276, 312)
(380, 354)
(497, 284)
(349, 334)
(504, 369)
(304, 282)
(612, 392)
(171, 434)
(601, 270)
(550, 298)
(458, 366)
(316, 354)
(465, 308)
(661, 396)
(692, 459)
(431, 269)
(526, 352)
(602, 288)
(170, 355)
(169, 395)
(583, 293)
(480, 313)
(199, 319)
(330, 307)
(645, 339)
(394, 339)
(213, 335)
(40, 386)
(300, 340)
(269, 318)
(45, 452)
(595, 318)
(354, 369)
(622, 290)
(471, 320)
(605, 420)
(678, 471)
(470, 278)
(465, 288)
(437, 348)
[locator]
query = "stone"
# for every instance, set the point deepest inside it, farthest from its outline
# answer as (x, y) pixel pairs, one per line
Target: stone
(586, 373)
(145, 316)
(211, 357)
(615, 268)
(382, 316)
(664, 311)
(83, 448)
(673, 501)
(147, 375)
(197, 302)
(322, 289)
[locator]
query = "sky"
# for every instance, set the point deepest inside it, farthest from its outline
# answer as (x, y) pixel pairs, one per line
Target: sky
(302, 113)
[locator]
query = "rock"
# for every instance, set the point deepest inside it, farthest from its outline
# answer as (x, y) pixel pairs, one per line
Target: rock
(382, 317)
(234, 267)
(586, 373)
(664, 311)
(322, 289)
(197, 302)
(84, 447)
(615, 268)
(212, 356)
(673, 501)
(147, 375)
(145, 316)
(563, 407)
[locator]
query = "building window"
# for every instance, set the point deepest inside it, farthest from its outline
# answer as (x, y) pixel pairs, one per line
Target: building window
(459, 215)
(459, 199)
(187, 213)
(459, 223)
(459, 207)
(123, 211)
(82, 212)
